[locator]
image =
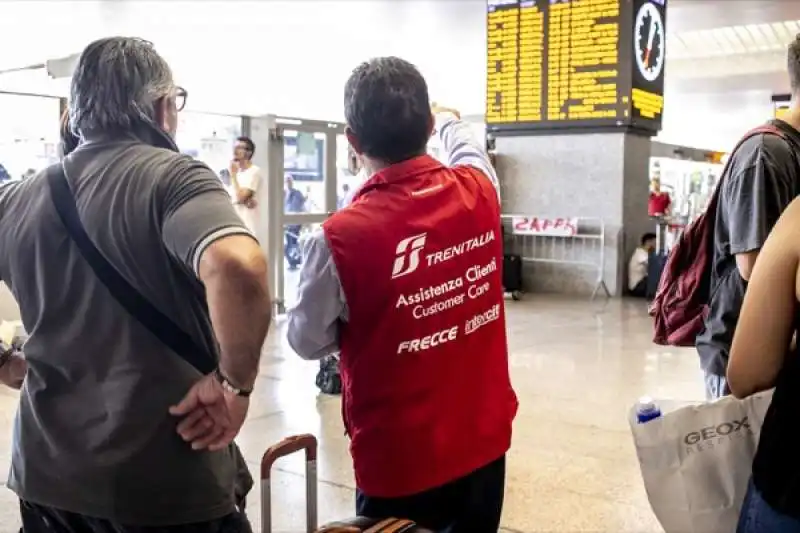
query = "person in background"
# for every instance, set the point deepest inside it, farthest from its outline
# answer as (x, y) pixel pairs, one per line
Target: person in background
(114, 431)
(660, 202)
(294, 202)
(361, 176)
(637, 266)
(762, 180)
(310, 205)
(340, 201)
(245, 180)
(427, 399)
(764, 355)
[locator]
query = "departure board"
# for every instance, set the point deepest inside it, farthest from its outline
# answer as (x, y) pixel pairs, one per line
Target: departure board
(576, 64)
(781, 104)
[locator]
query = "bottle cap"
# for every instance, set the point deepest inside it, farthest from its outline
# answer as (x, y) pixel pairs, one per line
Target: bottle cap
(646, 403)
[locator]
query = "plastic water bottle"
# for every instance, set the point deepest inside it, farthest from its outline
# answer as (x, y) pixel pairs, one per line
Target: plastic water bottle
(647, 410)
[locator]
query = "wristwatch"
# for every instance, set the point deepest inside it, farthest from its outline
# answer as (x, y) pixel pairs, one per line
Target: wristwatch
(225, 382)
(6, 352)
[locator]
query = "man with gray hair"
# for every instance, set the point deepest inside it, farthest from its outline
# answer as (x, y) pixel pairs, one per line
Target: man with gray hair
(117, 429)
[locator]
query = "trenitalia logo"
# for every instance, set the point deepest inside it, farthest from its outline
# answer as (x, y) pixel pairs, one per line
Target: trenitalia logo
(408, 252)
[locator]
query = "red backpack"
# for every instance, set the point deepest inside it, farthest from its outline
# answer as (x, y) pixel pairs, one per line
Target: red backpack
(681, 303)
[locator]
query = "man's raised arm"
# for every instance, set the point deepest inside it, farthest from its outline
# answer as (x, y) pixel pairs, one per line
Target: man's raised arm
(460, 145)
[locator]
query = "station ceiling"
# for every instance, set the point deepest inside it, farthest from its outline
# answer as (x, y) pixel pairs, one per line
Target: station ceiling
(293, 56)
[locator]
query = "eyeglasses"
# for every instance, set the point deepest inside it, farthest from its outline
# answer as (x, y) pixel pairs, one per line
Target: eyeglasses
(180, 98)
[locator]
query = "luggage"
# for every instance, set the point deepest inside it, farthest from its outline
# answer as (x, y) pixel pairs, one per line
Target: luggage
(329, 379)
(512, 275)
(696, 461)
(681, 301)
(655, 267)
(308, 444)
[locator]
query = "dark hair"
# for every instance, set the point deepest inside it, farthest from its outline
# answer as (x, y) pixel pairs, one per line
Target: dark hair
(647, 237)
(387, 109)
(116, 85)
(794, 63)
(248, 142)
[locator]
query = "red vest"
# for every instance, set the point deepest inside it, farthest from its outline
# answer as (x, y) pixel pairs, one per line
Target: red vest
(427, 397)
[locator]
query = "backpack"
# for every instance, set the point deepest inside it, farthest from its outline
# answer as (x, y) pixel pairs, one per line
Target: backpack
(681, 302)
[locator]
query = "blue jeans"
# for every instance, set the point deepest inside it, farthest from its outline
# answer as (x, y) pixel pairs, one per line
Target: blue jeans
(758, 517)
(716, 387)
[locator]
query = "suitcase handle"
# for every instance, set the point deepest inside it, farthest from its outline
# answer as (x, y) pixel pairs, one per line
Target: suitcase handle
(286, 447)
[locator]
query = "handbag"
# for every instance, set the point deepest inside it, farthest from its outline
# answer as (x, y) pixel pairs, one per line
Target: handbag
(697, 461)
(139, 307)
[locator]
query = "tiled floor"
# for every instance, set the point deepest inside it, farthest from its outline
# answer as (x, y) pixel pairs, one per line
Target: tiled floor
(577, 367)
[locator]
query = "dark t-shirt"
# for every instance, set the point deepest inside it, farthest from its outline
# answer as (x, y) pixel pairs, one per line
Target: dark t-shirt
(93, 434)
(776, 469)
(763, 179)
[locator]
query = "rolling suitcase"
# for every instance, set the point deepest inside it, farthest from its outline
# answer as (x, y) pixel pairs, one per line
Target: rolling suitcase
(288, 446)
(308, 444)
(655, 267)
(512, 275)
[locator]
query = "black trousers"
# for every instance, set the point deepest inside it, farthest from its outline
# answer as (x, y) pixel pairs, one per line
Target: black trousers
(40, 519)
(471, 504)
(640, 290)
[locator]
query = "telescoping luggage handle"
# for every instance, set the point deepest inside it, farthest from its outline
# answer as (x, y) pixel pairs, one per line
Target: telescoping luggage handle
(286, 447)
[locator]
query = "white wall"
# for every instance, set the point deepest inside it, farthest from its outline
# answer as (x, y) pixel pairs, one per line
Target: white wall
(9, 310)
(713, 121)
(283, 56)
(292, 57)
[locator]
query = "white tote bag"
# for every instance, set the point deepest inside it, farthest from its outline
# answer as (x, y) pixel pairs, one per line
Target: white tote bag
(696, 462)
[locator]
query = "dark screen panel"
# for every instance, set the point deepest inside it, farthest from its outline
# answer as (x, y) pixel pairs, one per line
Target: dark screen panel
(648, 49)
(583, 43)
(555, 64)
(502, 56)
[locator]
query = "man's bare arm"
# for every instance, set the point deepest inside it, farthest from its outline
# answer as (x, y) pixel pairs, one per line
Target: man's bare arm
(745, 263)
(234, 272)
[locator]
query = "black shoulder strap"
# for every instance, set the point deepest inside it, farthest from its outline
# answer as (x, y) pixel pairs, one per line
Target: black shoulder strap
(159, 324)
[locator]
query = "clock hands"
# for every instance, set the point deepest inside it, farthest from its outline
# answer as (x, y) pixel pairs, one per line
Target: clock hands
(650, 37)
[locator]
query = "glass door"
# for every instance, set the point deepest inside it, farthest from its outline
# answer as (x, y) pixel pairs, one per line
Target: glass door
(303, 187)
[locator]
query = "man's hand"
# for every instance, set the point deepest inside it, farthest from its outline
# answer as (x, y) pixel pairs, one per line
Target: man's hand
(234, 168)
(246, 197)
(436, 109)
(12, 374)
(210, 417)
